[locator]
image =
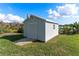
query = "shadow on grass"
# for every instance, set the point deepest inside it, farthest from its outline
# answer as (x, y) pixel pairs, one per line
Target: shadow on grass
(12, 37)
(38, 41)
(16, 37)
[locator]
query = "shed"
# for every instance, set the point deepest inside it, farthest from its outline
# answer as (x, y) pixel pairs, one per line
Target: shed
(38, 28)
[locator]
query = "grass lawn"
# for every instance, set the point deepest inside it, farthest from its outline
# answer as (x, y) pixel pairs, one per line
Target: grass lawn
(61, 45)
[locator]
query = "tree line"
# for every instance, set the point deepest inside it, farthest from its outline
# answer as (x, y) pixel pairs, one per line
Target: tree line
(11, 27)
(18, 28)
(69, 28)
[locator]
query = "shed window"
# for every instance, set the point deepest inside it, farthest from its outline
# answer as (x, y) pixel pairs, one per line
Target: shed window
(53, 26)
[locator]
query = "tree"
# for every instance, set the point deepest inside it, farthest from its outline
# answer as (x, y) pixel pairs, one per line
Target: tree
(69, 28)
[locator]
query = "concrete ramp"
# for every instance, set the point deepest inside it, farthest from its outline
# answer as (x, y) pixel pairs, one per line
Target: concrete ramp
(23, 41)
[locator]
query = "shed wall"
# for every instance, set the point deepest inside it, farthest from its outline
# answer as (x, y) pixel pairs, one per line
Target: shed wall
(49, 31)
(39, 29)
(36, 30)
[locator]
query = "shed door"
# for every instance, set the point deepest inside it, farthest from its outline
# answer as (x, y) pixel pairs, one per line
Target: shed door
(32, 30)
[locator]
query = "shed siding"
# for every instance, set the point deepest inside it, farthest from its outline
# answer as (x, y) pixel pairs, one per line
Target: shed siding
(37, 27)
(50, 31)
(25, 29)
(40, 29)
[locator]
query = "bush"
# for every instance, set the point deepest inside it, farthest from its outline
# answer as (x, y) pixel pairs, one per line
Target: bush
(69, 28)
(11, 27)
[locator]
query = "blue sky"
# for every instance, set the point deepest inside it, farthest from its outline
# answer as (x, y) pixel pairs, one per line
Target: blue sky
(22, 9)
(57, 12)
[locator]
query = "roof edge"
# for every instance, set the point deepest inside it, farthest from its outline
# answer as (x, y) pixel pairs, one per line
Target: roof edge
(41, 18)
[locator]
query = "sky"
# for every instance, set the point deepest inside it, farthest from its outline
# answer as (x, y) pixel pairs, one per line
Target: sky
(62, 13)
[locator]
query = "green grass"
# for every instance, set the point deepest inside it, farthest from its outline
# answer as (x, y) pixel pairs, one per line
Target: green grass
(62, 45)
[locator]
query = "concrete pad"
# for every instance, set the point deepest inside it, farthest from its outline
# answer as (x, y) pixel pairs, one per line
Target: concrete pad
(23, 41)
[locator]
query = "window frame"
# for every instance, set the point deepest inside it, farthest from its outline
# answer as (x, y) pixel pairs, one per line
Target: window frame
(54, 26)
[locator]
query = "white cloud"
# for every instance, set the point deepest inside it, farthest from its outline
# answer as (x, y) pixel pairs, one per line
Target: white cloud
(53, 13)
(68, 19)
(2, 16)
(50, 16)
(68, 9)
(50, 11)
(65, 14)
(11, 18)
(65, 10)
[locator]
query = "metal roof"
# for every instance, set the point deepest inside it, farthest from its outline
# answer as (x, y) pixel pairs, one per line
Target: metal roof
(47, 20)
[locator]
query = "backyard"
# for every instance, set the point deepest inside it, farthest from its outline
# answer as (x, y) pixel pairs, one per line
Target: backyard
(62, 45)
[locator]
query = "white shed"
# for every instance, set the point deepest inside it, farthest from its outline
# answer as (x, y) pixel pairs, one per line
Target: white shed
(39, 29)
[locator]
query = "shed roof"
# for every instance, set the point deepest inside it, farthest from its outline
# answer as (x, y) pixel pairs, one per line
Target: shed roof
(47, 20)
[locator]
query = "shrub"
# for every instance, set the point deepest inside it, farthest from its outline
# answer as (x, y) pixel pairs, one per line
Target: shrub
(10, 27)
(69, 28)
